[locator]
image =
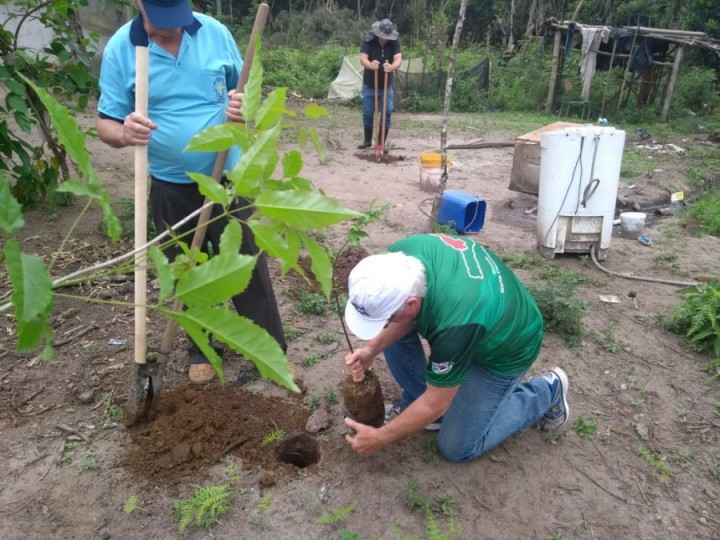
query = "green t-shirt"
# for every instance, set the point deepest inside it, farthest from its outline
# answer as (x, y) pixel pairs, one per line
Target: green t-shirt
(475, 310)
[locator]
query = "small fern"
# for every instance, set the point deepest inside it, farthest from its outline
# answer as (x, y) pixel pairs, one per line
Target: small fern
(204, 508)
(336, 516)
(697, 319)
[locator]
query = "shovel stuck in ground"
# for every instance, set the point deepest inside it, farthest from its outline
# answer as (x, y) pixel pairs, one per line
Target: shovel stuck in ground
(151, 368)
(380, 142)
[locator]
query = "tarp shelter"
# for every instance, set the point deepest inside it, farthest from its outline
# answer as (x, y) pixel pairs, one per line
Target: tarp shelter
(643, 52)
(348, 82)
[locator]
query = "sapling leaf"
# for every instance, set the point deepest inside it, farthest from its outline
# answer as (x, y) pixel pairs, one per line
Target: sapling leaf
(313, 110)
(11, 219)
(292, 163)
(242, 335)
(216, 280)
(256, 164)
(321, 264)
(272, 109)
(32, 294)
(220, 138)
(211, 188)
(252, 93)
(303, 210)
(166, 280)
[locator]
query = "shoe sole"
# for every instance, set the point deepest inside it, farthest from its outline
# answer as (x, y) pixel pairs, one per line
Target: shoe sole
(564, 384)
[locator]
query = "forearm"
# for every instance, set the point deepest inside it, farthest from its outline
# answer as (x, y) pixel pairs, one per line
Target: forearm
(111, 132)
(430, 406)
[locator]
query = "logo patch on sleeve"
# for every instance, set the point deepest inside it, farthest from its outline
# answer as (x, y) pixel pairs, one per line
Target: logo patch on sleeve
(441, 367)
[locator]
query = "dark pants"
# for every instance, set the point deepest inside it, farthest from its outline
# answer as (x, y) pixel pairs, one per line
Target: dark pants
(169, 203)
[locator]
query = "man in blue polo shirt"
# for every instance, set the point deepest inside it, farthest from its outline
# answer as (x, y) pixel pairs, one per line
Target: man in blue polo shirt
(194, 66)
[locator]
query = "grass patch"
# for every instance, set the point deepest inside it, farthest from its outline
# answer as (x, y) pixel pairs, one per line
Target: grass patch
(656, 462)
(706, 212)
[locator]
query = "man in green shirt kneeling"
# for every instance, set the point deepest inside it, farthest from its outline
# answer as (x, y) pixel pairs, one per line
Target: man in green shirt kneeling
(484, 330)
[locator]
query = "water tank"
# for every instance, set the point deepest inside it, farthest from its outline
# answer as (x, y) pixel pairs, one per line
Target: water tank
(579, 175)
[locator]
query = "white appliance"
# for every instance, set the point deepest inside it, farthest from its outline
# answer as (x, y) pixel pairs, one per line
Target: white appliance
(579, 175)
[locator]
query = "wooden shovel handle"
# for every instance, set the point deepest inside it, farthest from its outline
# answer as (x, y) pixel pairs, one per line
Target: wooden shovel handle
(141, 161)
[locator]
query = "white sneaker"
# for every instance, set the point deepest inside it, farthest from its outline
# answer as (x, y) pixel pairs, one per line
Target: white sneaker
(559, 412)
(393, 409)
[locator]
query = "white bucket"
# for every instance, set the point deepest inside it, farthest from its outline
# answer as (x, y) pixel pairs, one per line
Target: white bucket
(632, 224)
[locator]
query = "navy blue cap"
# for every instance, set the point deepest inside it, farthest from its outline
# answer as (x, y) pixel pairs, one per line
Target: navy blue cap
(165, 14)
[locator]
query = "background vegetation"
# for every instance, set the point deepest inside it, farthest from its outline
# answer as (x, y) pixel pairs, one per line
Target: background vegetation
(306, 41)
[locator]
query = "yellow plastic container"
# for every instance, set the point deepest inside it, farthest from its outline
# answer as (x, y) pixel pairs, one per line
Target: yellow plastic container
(431, 170)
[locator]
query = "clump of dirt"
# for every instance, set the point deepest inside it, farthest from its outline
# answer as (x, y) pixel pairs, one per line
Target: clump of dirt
(195, 427)
(364, 400)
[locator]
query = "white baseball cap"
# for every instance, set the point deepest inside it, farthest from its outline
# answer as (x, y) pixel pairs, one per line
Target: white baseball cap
(377, 287)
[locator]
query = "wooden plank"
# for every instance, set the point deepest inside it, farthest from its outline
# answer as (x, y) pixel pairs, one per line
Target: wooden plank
(671, 84)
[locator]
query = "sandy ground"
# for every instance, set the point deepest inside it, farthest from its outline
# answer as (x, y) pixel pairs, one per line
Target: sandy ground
(65, 471)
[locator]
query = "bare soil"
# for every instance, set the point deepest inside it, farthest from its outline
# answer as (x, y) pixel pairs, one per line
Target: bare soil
(69, 469)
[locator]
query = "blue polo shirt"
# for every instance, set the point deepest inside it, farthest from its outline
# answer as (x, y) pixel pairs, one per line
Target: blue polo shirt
(185, 94)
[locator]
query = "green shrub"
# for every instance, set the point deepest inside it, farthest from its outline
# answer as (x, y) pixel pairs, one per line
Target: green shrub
(706, 211)
(696, 90)
(561, 312)
(697, 319)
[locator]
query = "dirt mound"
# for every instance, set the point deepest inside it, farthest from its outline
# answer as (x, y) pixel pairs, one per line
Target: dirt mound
(195, 428)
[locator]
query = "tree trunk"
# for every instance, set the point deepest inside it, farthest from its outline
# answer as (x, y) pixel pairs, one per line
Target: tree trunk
(446, 113)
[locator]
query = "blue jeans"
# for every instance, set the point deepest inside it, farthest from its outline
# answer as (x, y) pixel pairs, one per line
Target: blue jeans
(368, 105)
(487, 408)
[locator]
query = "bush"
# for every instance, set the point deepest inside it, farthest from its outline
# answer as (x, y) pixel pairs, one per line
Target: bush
(307, 72)
(696, 91)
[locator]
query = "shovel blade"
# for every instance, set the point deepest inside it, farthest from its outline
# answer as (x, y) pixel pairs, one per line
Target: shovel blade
(144, 393)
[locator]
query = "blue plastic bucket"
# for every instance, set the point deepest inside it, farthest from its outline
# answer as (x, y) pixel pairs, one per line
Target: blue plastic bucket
(463, 212)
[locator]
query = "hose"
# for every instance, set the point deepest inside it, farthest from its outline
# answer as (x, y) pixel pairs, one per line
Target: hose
(641, 278)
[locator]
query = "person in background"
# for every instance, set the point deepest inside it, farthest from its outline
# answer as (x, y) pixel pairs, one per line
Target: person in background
(379, 53)
(484, 330)
(194, 67)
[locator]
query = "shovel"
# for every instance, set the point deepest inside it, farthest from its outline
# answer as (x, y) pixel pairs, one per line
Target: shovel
(380, 145)
(150, 370)
(148, 374)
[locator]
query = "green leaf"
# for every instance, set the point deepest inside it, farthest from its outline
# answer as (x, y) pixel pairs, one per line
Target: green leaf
(292, 163)
(211, 188)
(303, 210)
(223, 276)
(16, 103)
(257, 164)
(165, 277)
(252, 93)
(312, 110)
(196, 330)
(11, 219)
(67, 132)
(320, 264)
(273, 239)
(317, 143)
(231, 238)
(272, 109)
(244, 336)
(219, 138)
(15, 87)
(32, 294)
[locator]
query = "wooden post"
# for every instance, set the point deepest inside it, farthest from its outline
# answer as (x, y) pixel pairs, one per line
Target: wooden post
(671, 84)
(607, 79)
(553, 71)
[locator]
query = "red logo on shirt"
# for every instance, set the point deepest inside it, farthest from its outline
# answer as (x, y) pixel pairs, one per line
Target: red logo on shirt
(454, 243)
